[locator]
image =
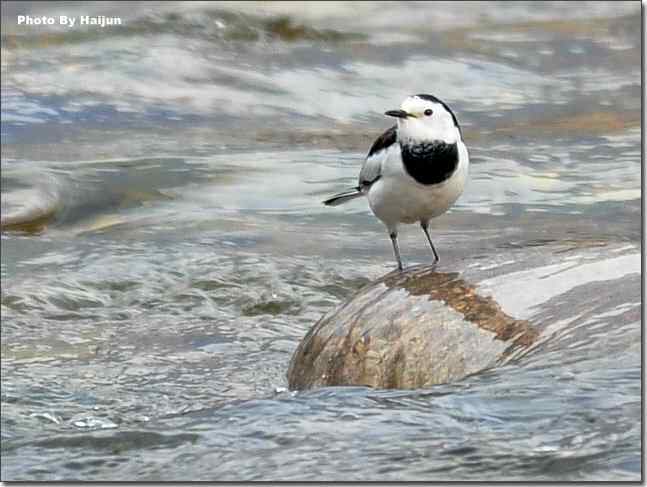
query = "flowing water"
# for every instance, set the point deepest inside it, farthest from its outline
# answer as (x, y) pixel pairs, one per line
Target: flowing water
(164, 246)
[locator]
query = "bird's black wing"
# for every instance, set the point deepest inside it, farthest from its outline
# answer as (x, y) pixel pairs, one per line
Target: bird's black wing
(372, 168)
(384, 141)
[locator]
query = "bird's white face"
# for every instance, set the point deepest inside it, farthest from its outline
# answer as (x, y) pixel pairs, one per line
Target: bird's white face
(425, 120)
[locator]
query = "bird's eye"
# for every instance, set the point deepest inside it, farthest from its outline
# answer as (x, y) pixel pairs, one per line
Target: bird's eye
(428, 111)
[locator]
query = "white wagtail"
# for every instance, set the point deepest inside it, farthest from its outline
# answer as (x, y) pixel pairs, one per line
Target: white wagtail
(414, 171)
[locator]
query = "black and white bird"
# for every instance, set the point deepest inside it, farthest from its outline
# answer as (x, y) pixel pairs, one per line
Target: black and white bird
(414, 171)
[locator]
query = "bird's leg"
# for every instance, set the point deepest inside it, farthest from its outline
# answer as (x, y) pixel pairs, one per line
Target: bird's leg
(396, 249)
(425, 228)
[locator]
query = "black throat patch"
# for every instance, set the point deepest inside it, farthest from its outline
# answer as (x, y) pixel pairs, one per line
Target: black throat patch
(430, 162)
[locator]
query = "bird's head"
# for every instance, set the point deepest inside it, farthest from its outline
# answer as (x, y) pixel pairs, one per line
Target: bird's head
(424, 118)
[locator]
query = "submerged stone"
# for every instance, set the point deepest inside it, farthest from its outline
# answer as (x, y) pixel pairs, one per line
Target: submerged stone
(408, 330)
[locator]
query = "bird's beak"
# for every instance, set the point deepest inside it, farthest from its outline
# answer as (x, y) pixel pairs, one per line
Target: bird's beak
(398, 114)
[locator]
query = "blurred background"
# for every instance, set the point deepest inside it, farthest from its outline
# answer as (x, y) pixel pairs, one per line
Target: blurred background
(164, 246)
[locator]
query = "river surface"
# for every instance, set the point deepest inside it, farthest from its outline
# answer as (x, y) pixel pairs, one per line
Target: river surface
(164, 245)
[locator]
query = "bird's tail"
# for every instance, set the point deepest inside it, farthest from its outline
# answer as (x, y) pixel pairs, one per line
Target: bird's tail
(341, 198)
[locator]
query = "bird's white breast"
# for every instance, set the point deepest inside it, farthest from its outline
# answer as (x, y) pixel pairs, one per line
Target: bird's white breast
(397, 197)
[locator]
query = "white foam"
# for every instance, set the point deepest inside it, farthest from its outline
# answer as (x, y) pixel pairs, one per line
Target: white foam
(519, 293)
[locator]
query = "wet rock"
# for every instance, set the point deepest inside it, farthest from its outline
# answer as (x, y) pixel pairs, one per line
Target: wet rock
(408, 330)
